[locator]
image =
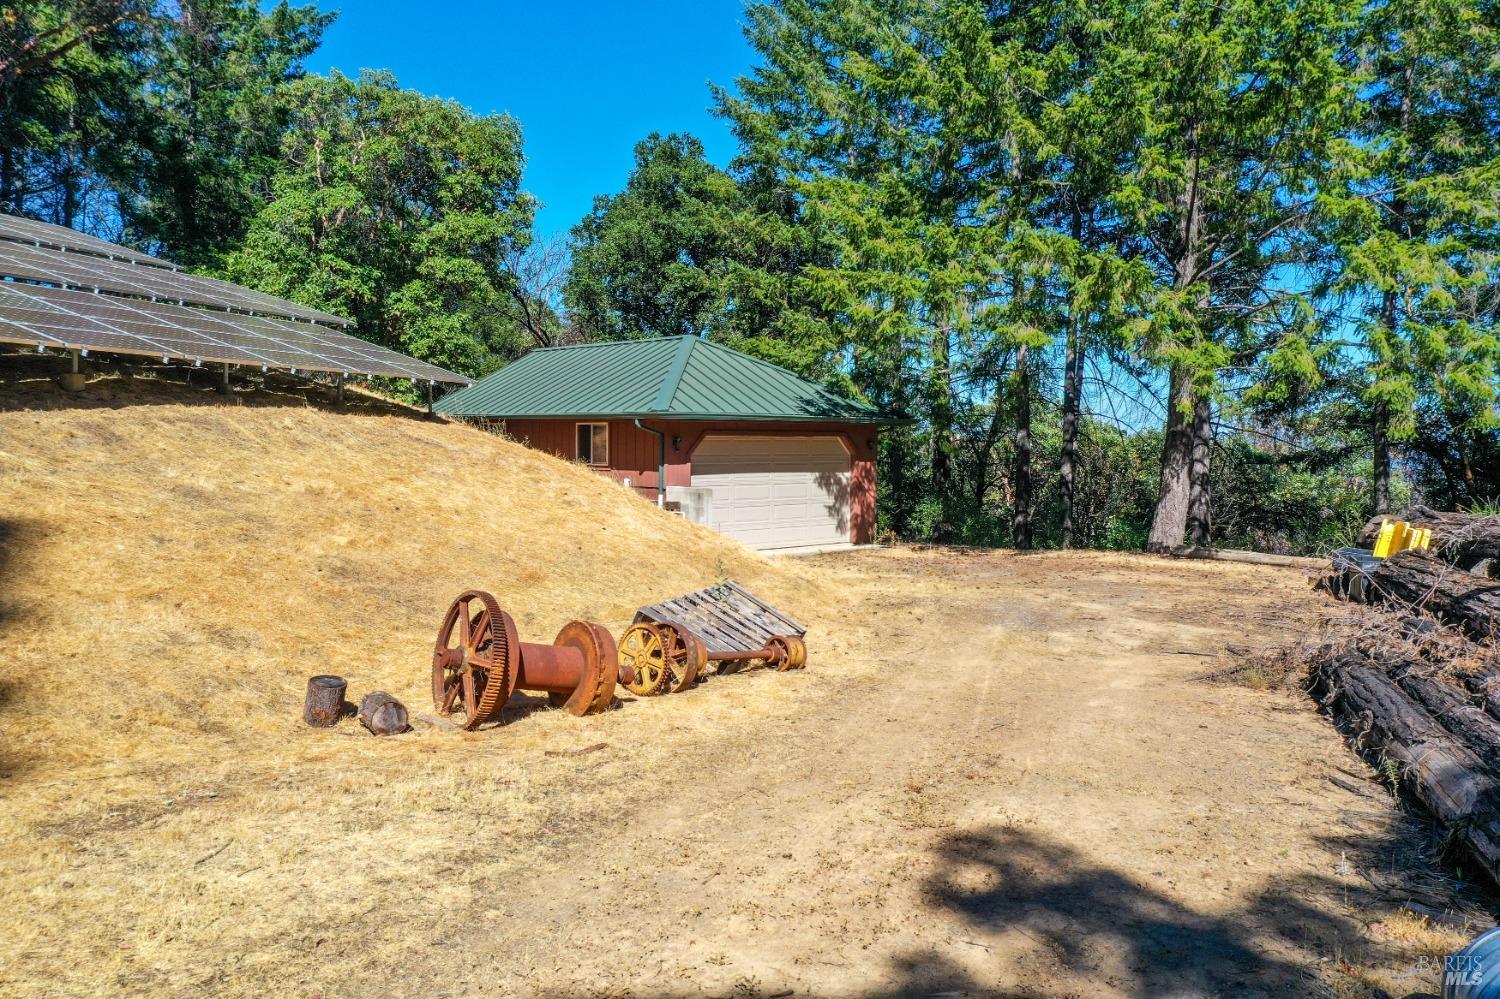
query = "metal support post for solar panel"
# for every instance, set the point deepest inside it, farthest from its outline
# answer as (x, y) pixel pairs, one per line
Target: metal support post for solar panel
(223, 385)
(72, 381)
(341, 390)
(429, 396)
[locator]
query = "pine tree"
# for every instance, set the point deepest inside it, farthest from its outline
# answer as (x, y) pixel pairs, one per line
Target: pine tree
(213, 121)
(1417, 219)
(1232, 110)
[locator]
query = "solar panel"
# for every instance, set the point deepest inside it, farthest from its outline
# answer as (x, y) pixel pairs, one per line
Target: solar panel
(95, 295)
(94, 273)
(66, 319)
(24, 230)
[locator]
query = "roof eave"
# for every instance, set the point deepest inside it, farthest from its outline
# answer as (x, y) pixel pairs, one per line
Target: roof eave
(871, 418)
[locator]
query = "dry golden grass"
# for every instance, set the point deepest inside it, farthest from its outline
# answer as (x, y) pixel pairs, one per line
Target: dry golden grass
(180, 577)
(174, 573)
(1413, 949)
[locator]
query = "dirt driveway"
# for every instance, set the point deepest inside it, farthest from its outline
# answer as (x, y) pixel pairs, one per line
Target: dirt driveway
(1011, 784)
(998, 776)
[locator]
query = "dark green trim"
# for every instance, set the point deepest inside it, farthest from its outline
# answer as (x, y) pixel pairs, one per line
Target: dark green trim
(669, 384)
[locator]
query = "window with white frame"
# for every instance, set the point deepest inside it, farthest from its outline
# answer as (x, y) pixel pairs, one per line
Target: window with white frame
(593, 443)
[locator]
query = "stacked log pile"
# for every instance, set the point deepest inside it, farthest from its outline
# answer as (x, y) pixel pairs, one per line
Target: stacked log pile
(1427, 732)
(1463, 539)
(1422, 581)
(1417, 690)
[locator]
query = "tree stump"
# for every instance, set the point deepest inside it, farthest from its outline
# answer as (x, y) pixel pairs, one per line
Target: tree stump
(325, 701)
(381, 713)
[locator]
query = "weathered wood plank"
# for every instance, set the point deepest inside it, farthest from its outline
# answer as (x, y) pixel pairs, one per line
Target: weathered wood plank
(728, 617)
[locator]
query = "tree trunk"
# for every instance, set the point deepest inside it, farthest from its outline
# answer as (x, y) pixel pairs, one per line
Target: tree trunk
(940, 402)
(324, 705)
(1424, 582)
(382, 714)
(1381, 429)
(8, 201)
(992, 434)
(1447, 777)
(72, 159)
(1169, 525)
(1380, 479)
(1067, 467)
(1021, 522)
(1450, 705)
(1200, 489)
(1252, 558)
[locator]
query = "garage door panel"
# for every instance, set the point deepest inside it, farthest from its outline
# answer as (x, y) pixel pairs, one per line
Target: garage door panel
(776, 492)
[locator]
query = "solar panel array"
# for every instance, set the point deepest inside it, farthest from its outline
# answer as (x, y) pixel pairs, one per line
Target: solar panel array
(24, 230)
(89, 272)
(86, 300)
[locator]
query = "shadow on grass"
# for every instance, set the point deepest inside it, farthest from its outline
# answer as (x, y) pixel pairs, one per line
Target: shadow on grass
(14, 533)
(29, 381)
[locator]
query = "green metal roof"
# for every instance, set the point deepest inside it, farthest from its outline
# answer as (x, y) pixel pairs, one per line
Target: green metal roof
(680, 377)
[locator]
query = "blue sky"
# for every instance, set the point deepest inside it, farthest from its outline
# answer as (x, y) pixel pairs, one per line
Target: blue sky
(587, 80)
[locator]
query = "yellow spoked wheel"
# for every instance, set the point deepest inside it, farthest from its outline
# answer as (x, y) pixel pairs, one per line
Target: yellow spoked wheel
(643, 660)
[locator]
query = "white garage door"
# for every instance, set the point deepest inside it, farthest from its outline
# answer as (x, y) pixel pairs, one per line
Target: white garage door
(776, 492)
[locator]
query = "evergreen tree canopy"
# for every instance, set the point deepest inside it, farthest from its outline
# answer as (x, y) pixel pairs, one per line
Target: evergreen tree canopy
(394, 209)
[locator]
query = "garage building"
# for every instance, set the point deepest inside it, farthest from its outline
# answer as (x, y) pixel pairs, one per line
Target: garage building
(744, 446)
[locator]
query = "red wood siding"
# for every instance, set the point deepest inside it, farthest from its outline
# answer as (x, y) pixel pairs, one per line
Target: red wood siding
(633, 453)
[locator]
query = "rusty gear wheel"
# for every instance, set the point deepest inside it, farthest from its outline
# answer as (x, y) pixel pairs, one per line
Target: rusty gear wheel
(780, 654)
(474, 658)
(643, 660)
(686, 655)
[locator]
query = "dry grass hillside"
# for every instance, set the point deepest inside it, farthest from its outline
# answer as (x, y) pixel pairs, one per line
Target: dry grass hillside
(175, 565)
(175, 571)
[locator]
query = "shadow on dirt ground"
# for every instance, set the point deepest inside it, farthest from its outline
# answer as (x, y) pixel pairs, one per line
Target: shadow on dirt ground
(1089, 924)
(1093, 923)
